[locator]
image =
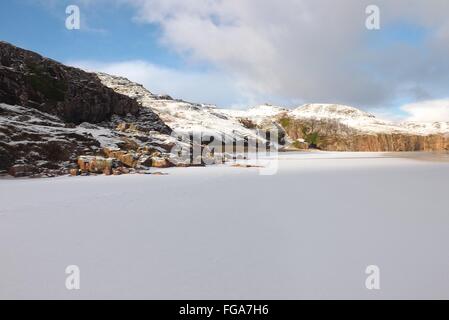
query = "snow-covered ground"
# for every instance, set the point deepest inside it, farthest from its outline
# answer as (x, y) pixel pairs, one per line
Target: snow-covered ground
(224, 232)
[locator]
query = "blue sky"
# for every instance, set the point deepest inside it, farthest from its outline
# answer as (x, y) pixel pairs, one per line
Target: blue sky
(110, 34)
(240, 53)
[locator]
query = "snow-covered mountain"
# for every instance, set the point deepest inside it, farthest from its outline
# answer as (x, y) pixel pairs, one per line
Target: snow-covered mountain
(50, 114)
(366, 122)
(326, 126)
(182, 116)
(328, 120)
(257, 114)
(354, 118)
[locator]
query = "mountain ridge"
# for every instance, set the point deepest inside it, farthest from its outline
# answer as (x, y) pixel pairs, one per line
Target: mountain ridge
(328, 127)
(52, 115)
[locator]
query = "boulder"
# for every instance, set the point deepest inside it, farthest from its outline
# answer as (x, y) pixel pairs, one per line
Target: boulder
(161, 163)
(116, 172)
(94, 164)
(124, 170)
(129, 159)
(21, 170)
(145, 161)
(74, 172)
(99, 164)
(84, 163)
(113, 152)
(123, 127)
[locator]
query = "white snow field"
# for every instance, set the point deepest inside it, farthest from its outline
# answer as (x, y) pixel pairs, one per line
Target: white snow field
(223, 232)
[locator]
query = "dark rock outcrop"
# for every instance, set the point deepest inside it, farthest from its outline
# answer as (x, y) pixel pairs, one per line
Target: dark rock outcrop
(51, 113)
(30, 80)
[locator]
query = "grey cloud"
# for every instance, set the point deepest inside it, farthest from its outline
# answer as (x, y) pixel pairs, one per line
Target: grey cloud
(311, 51)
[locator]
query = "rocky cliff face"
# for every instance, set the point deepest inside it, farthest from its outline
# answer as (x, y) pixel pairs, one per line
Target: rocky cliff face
(30, 80)
(386, 143)
(343, 128)
(50, 114)
(331, 135)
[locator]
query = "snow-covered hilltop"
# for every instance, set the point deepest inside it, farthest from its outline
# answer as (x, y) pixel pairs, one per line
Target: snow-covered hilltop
(181, 116)
(185, 116)
(354, 118)
(325, 126)
(366, 122)
(257, 114)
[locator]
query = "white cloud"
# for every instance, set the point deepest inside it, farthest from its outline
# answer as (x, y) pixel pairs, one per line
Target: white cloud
(428, 111)
(316, 51)
(196, 86)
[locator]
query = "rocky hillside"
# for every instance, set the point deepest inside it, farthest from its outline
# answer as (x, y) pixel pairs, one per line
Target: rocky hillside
(50, 114)
(30, 80)
(183, 116)
(343, 128)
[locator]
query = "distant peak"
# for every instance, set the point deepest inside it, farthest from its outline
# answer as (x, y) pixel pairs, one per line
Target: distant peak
(267, 108)
(332, 110)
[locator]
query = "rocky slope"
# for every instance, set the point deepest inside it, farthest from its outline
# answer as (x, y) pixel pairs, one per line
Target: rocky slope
(183, 116)
(343, 128)
(50, 114)
(30, 80)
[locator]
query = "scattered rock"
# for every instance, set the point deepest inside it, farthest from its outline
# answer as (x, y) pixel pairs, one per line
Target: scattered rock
(116, 172)
(84, 163)
(107, 171)
(144, 172)
(22, 170)
(238, 165)
(123, 127)
(74, 172)
(94, 164)
(129, 159)
(165, 97)
(159, 174)
(161, 163)
(124, 170)
(113, 152)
